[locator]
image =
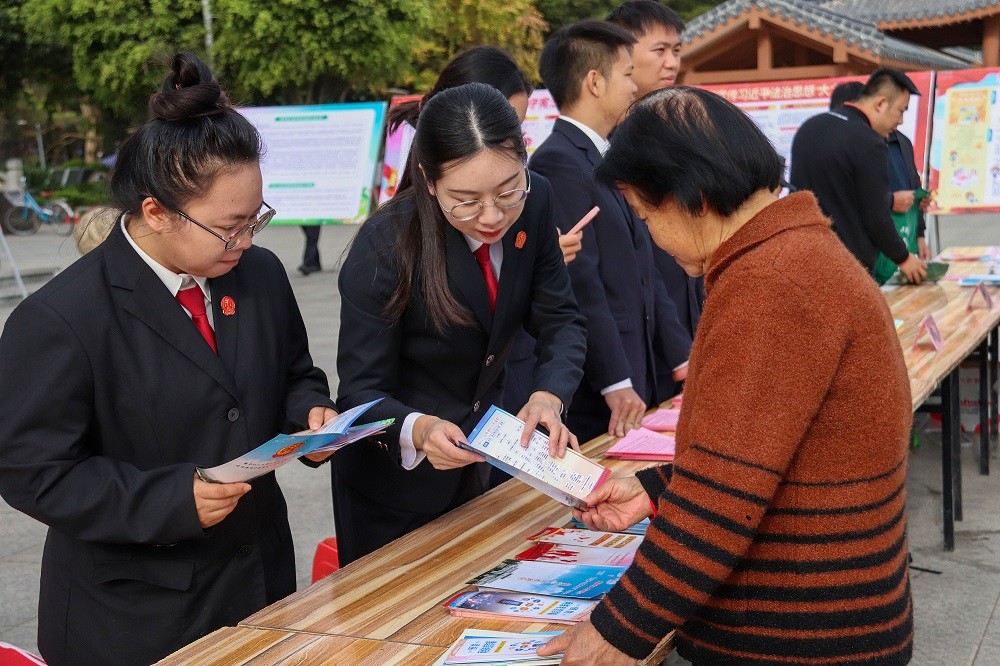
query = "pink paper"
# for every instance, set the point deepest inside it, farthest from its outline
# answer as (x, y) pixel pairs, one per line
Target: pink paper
(662, 420)
(987, 299)
(642, 444)
(929, 326)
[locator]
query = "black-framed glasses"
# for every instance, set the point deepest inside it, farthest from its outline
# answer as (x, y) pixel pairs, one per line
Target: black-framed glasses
(467, 210)
(252, 228)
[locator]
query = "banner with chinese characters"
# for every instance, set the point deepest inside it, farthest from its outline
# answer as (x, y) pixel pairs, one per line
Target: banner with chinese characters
(319, 161)
(780, 107)
(542, 114)
(965, 153)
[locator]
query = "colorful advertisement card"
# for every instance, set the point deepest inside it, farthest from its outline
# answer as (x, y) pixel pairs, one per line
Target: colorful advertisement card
(569, 479)
(546, 551)
(642, 444)
(486, 604)
(480, 646)
(577, 581)
(592, 538)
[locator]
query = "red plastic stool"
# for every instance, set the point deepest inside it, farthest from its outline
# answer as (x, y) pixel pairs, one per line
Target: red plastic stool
(13, 656)
(326, 560)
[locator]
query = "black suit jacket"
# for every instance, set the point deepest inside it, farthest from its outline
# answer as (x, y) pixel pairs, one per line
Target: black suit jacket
(906, 148)
(112, 399)
(455, 375)
(629, 315)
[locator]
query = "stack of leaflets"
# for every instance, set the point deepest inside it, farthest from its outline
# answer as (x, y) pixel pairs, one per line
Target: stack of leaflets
(662, 420)
(283, 449)
(576, 581)
(569, 479)
(479, 646)
(643, 444)
(572, 536)
(497, 605)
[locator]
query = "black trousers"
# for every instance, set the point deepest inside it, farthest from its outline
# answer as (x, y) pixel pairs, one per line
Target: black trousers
(310, 255)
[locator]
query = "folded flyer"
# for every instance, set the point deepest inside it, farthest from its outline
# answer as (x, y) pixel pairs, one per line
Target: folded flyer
(577, 581)
(498, 605)
(281, 450)
(569, 479)
(639, 528)
(643, 444)
(583, 537)
(546, 551)
(481, 646)
(662, 420)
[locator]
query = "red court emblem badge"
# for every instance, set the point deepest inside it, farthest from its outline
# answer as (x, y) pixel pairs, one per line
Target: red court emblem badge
(228, 306)
(521, 239)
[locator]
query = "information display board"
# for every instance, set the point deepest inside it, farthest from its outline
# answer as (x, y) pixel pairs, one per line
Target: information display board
(397, 148)
(965, 154)
(780, 107)
(319, 161)
(538, 121)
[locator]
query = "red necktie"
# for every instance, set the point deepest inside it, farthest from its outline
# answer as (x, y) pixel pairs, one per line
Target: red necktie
(483, 257)
(193, 301)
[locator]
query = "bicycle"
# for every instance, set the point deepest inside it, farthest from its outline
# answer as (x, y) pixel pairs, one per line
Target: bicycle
(25, 218)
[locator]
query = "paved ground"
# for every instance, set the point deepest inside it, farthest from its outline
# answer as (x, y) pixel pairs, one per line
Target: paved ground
(957, 595)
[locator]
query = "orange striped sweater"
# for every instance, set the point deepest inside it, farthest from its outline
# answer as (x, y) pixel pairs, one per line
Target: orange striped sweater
(781, 533)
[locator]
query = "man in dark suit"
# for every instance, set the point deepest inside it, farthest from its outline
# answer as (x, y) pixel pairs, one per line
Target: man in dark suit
(903, 180)
(656, 60)
(630, 318)
(113, 398)
(841, 156)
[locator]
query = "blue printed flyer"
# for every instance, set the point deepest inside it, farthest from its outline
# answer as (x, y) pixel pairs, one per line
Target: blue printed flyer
(283, 449)
(577, 581)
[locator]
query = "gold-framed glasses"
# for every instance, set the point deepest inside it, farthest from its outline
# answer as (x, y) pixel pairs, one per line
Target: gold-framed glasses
(468, 210)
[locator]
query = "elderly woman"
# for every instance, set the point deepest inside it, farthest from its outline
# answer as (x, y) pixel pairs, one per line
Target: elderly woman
(779, 533)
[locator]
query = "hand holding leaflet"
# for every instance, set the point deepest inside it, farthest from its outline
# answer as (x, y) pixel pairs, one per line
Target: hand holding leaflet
(568, 480)
(282, 449)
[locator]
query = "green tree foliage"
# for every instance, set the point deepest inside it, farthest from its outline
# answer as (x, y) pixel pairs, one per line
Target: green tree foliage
(118, 47)
(563, 12)
(308, 51)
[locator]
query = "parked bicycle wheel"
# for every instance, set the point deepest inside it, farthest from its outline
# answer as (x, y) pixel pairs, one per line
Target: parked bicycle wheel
(62, 218)
(22, 221)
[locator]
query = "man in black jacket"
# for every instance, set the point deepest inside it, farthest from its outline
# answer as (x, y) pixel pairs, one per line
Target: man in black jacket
(841, 155)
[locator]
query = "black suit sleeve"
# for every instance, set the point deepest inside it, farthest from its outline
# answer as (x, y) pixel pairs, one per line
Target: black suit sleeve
(48, 467)
(575, 198)
(554, 318)
(306, 385)
(871, 167)
(670, 335)
(368, 350)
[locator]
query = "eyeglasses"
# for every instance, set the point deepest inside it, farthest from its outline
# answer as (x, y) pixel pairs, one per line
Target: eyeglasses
(467, 210)
(237, 236)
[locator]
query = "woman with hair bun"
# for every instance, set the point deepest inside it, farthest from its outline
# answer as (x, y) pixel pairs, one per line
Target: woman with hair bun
(434, 288)
(174, 344)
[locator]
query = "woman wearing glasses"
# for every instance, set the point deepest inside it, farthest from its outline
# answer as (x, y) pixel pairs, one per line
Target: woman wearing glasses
(433, 290)
(174, 344)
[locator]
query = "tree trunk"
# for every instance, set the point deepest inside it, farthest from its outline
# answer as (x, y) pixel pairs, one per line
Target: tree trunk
(91, 139)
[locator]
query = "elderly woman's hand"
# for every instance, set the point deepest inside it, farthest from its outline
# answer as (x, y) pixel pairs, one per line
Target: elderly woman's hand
(615, 505)
(582, 644)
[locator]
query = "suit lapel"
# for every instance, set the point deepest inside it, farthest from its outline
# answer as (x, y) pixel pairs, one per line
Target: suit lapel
(508, 275)
(466, 277)
(151, 303)
(227, 326)
(584, 143)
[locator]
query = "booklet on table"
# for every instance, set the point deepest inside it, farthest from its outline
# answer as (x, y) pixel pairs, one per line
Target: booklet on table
(577, 581)
(281, 450)
(546, 551)
(481, 646)
(569, 479)
(572, 536)
(499, 605)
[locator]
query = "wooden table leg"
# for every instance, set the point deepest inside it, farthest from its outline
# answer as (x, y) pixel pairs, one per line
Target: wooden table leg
(994, 370)
(984, 408)
(947, 498)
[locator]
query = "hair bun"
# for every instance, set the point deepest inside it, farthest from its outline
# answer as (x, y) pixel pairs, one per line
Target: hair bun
(189, 91)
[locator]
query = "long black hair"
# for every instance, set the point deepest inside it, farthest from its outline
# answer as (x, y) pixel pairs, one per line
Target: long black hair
(191, 135)
(479, 64)
(455, 125)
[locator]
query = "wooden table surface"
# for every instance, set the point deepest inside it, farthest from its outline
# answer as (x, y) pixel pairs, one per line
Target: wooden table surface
(397, 592)
(388, 605)
(235, 646)
(961, 329)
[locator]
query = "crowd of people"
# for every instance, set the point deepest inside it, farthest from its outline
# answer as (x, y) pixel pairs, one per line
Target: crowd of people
(778, 534)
